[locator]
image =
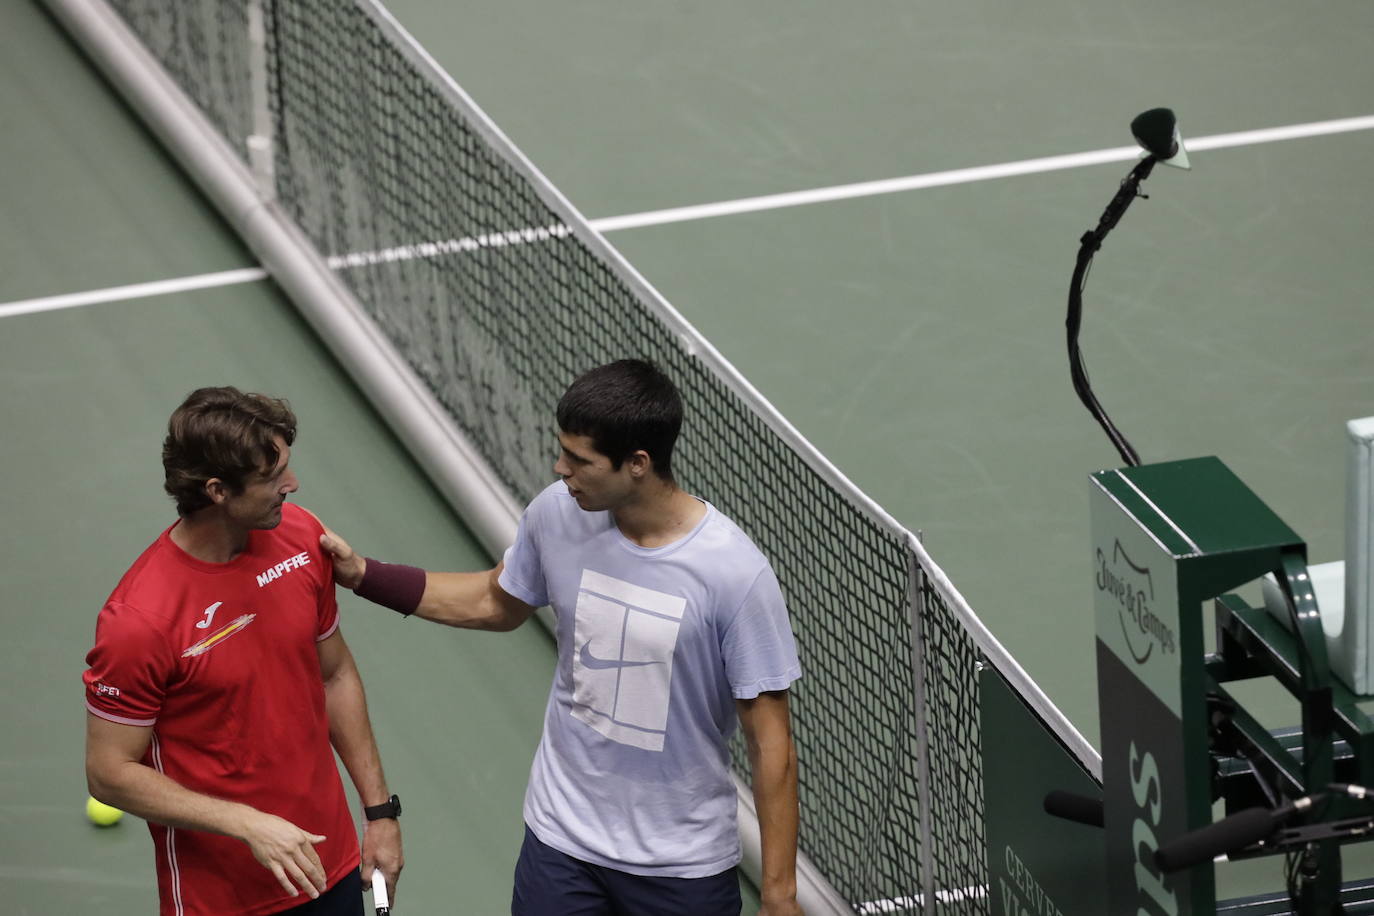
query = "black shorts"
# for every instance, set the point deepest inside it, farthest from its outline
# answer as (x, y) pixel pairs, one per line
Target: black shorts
(548, 881)
(345, 898)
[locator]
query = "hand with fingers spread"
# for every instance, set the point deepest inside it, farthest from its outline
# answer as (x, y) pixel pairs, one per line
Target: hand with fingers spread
(287, 851)
(348, 565)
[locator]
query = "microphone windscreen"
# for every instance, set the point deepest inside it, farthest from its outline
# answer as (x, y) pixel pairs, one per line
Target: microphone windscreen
(1154, 130)
(1077, 808)
(1226, 835)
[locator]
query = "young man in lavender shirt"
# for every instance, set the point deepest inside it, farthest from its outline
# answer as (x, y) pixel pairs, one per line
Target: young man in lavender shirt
(671, 628)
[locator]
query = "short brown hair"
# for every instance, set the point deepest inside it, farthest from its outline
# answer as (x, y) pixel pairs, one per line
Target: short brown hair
(224, 433)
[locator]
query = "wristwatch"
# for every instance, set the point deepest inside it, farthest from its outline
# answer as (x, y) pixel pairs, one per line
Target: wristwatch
(389, 808)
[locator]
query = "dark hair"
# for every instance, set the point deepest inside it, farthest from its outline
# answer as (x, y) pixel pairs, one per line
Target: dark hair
(624, 407)
(224, 433)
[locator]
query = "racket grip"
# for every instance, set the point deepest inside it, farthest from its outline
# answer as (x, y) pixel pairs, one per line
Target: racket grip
(379, 895)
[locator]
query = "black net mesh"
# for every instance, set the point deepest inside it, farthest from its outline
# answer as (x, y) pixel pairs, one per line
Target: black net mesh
(497, 304)
(955, 755)
(204, 47)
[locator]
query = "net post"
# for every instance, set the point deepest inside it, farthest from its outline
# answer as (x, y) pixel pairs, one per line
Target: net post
(259, 142)
(916, 591)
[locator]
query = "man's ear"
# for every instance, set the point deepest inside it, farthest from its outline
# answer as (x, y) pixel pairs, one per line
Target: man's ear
(641, 465)
(217, 490)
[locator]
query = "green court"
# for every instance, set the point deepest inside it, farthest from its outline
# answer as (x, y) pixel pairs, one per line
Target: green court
(914, 334)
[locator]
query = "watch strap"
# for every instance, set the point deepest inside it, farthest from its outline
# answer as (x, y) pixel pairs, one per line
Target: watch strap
(389, 808)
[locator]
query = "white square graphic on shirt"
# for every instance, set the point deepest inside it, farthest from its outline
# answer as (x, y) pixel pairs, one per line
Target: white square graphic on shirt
(622, 659)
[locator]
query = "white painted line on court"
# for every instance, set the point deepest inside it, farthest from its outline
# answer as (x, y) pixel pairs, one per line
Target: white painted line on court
(916, 902)
(964, 176)
(864, 189)
(699, 211)
(452, 246)
(847, 192)
(134, 291)
(1276, 134)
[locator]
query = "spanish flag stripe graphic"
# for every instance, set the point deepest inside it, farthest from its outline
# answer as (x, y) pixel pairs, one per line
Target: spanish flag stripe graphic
(219, 636)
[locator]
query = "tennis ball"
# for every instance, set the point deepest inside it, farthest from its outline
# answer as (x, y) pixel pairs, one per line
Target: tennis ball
(101, 814)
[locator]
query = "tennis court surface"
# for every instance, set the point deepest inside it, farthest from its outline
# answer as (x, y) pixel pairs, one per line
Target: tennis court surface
(805, 186)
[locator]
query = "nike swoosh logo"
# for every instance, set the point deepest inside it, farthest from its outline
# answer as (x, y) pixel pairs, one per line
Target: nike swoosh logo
(209, 613)
(589, 660)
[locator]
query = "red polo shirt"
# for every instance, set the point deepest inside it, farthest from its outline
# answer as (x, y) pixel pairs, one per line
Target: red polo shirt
(220, 660)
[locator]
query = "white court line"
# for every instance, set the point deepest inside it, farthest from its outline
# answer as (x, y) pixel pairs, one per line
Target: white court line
(452, 246)
(850, 191)
(134, 291)
(703, 211)
(916, 901)
(964, 176)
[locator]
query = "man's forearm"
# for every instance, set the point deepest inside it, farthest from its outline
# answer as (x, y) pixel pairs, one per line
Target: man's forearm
(775, 802)
(142, 791)
(350, 732)
(473, 600)
(117, 776)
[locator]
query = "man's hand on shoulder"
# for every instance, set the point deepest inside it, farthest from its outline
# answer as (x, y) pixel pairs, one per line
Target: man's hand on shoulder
(348, 565)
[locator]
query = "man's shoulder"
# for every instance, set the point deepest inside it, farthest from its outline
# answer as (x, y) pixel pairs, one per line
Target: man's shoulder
(145, 582)
(149, 618)
(726, 535)
(293, 545)
(728, 551)
(299, 533)
(552, 504)
(141, 607)
(299, 524)
(550, 495)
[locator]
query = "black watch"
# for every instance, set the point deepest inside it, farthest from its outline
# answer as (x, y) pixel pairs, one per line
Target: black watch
(389, 808)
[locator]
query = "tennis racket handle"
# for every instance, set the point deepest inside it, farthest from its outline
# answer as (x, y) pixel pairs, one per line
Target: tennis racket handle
(379, 896)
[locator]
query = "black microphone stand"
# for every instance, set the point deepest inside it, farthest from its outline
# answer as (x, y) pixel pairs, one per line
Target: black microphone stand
(1088, 247)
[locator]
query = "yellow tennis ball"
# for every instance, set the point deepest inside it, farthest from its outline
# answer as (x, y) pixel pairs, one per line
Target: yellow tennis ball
(101, 814)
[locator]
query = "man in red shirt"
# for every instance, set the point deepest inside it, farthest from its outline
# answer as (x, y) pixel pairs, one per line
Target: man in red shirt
(219, 681)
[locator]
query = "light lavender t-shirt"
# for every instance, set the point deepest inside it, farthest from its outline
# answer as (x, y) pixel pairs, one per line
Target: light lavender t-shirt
(654, 646)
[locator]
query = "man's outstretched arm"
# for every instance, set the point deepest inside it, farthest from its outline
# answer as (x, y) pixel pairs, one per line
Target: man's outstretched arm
(473, 600)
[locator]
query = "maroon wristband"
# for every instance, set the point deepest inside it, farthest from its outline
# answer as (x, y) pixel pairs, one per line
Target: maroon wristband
(392, 585)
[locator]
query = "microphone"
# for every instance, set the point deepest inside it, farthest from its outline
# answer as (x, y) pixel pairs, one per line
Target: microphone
(1080, 809)
(1244, 828)
(1156, 131)
(1205, 844)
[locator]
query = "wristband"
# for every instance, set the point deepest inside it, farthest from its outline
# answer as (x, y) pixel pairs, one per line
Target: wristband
(392, 585)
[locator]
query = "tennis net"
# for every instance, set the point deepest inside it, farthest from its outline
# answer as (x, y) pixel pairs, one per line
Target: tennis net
(496, 293)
